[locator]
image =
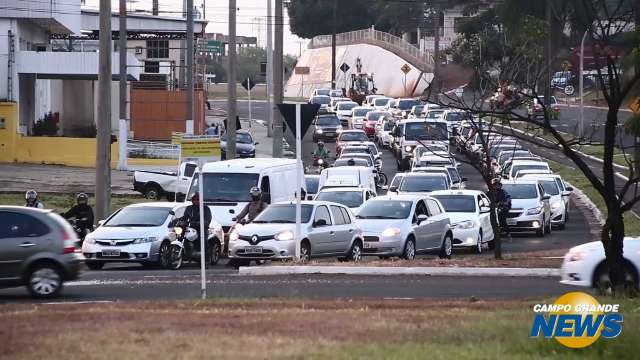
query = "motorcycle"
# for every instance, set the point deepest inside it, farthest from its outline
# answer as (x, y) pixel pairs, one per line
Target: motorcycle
(318, 165)
(185, 247)
(80, 230)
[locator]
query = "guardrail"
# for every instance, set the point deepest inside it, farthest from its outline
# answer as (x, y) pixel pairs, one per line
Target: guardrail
(152, 150)
(423, 60)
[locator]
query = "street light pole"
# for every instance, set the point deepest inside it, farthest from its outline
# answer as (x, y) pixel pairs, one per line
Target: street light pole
(189, 128)
(581, 80)
(231, 84)
(278, 125)
(103, 124)
(122, 125)
(269, 69)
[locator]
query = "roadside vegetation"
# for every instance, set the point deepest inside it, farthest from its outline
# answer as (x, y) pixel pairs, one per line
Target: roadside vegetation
(63, 202)
(295, 329)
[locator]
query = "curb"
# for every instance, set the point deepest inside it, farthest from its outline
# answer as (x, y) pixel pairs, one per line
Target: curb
(388, 271)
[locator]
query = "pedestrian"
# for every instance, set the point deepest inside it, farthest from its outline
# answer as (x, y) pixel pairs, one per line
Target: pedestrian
(238, 125)
(211, 130)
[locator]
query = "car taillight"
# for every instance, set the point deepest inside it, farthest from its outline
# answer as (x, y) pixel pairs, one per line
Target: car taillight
(68, 242)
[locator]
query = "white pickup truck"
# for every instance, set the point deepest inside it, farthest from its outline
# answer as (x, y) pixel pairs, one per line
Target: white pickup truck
(156, 184)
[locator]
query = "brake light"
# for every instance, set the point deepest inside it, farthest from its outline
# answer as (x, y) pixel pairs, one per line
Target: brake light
(68, 242)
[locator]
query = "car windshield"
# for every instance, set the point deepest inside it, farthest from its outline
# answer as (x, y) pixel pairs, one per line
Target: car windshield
(283, 214)
(521, 191)
(381, 102)
(353, 136)
(360, 112)
(322, 100)
(139, 216)
(345, 162)
(457, 203)
(328, 121)
(325, 92)
(423, 183)
(347, 198)
(385, 209)
(509, 154)
(365, 157)
(425, 131)
(346, 106)
(550, 187)
(540, 100)
(229, 187)
(355, 150)
(455, 175)
(312, 184)
(396, 180)
(372, 149)
(417, 110)
(407, 104)
(434, 114)
(455, 116)
(336, 93)
(241, 138)
(516, 168)
(387, 126)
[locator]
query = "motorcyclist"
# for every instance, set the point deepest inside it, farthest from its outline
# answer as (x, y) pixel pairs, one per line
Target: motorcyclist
(503, 203)
(82, 212)
(321, 152)
(253, 208)
(31, 197)
(191, 216)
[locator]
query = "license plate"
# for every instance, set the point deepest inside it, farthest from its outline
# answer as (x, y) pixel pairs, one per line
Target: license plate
(110, 252)
(330, 134)
(512, 222)
(253, 250)
(368, 245)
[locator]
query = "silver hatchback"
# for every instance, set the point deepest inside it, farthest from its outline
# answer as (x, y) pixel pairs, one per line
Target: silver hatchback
(37, 250)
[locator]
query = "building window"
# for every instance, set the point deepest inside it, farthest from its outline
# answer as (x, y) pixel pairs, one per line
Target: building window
(151, 67)
(157, 49)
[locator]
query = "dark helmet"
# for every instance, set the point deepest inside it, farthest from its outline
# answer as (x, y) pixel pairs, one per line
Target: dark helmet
(31, 196)
(195, 197)
(82, 198)
(255, 193)
(351, 162)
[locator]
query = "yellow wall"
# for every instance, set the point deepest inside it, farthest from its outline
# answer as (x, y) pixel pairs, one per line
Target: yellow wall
(45, 150)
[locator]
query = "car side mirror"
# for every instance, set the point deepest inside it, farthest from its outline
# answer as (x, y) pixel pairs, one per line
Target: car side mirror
(569, 188)
(485, 209)
(172, 213)
(464, 179)
(256, 143)
(546, 197)
(421, 218)
(393, 188)
(319, 223)
(101, 222)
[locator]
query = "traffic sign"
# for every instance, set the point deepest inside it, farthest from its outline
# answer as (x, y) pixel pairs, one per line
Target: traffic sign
(307, 114)
(635, 105)
(210, 46)
(199, 147)
(302, 70)
(248, 84)
(344, 67)
(405, 68)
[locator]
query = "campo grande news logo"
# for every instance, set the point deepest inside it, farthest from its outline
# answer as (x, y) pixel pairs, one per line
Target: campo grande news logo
(577, 320)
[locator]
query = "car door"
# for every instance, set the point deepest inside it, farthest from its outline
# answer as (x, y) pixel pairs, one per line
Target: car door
(185, 178)
(485, 218)
(342, 237)
(322, 236)
(21, 236)
(436, 224)
(420, 228)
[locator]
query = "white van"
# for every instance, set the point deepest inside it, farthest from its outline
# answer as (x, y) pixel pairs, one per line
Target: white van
(413, 132)
(227, 183)
(351, 176)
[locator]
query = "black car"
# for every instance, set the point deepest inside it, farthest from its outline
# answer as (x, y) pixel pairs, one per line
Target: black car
(326, 127)
(245, 146)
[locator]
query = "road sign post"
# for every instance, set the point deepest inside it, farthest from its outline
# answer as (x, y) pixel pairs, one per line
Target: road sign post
(200, 148)
(248, 84)
(405, 69)
(302, 71)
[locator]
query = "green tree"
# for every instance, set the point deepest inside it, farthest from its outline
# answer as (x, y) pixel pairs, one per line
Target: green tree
(309, 18)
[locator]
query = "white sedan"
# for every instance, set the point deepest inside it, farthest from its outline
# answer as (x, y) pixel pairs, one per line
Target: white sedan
(585, 265)
(468, 211)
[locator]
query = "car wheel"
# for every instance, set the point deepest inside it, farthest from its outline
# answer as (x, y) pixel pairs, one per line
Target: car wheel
(409, 252)
(447, 247)
(214, 251)
(153, 192)
(355, 253)
(478, 248)
(305, 251)
(94, 265)
(602, 281)
(566, 216)
(491, 244)
(548, 227)
(44, 281)
(163, 254)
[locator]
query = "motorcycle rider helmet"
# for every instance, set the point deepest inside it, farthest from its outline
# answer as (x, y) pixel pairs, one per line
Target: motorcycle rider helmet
(195, 198)
(320, 144)
(351, 162)
(82, 198)
(255, 193)
(31, 196)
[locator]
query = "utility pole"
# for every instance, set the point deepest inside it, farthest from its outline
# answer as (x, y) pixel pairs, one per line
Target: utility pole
(333, 44)
(547, 55)
(189, 75)
(435, 87)
(278, 129)
(103, 125)
(231, 84)
(269, 70)
(154, 8)
(636, 154)
(123, 128)
(182, 51)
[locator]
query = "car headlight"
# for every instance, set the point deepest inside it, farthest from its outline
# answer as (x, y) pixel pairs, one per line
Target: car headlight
(339, 131)
(320, 161)
(534, 211)
(408, 148)
(284, 235)
(404, 113)
(89, 240)
(391, 232)
(177, 230)
(234, 236)
(144, 240)
(556, 205)
(318, 131)
(576, 256)
(467, 224)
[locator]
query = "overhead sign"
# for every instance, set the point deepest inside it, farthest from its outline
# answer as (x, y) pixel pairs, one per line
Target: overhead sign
(307, 113)
(200, 147)
(302, 70)
(248, 84)
(344, 67)
(405, 68)
(635, 105)
(210, 46)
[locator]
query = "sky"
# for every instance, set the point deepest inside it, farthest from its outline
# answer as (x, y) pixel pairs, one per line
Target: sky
(251, 18)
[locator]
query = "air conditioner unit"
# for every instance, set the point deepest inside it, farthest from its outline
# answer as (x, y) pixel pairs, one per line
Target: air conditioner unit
(138, 50)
